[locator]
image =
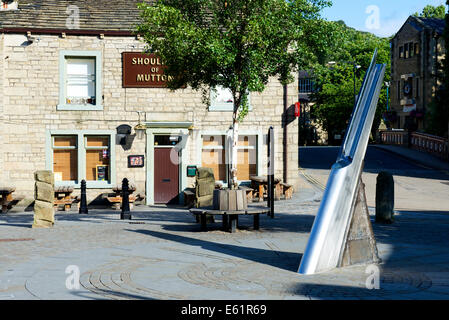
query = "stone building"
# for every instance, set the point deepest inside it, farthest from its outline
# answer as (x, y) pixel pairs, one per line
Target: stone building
(417, 49)
(74, 86)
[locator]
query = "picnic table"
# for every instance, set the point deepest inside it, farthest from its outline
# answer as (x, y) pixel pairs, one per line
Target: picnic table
(6, 197)
(116, 198)
(229, 218)
(260, 185)
(63, 195)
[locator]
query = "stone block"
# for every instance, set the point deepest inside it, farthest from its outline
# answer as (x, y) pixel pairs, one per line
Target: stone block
(44, 214)
(44, 192)
(45, 176)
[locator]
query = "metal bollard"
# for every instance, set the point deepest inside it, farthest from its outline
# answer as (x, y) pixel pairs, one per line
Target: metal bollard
(126, 212)
(83, 203)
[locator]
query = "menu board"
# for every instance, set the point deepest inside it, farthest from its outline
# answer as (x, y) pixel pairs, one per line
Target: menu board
(102, 173)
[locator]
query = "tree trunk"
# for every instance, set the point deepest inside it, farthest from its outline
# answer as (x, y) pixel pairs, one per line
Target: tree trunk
(234, 152)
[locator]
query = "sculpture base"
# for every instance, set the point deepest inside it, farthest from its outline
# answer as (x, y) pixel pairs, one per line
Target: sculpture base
(360, 245)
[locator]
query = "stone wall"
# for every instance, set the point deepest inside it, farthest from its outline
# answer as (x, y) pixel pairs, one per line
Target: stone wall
(31, 94)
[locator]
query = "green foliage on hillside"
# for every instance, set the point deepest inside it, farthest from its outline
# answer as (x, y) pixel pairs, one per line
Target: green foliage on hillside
(334, 93)
(430, 11)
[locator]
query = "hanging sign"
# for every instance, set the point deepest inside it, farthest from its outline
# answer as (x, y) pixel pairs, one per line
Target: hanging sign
(142, 70)
(297, 109)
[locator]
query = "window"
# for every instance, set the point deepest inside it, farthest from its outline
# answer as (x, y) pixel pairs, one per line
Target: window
(401, 52)
(97, 158)
(246, 157)
(214, 155)
(406, 51)
(80, 80)
(416, 49)
(305, 85)
(221, 99)
(82, 155)
(411, 49)
(65, 158)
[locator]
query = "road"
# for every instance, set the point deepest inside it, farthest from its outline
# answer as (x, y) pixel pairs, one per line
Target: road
(417, 187)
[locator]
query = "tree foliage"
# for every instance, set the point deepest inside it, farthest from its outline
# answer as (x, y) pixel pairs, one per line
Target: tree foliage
(430, 11)
(334, 94)
(235, 44)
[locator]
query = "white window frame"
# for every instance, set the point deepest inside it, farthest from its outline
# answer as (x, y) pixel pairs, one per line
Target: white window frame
(81, 161)
(224, 107)
(67, 54)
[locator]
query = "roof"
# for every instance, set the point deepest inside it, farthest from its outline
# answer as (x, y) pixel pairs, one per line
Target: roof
(419, 24)
(106, 15)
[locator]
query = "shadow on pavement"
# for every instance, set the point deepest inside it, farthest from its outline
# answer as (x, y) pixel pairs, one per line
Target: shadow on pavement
(284, 260)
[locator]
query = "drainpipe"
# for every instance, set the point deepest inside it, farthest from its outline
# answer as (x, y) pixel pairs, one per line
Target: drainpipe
(285, 147)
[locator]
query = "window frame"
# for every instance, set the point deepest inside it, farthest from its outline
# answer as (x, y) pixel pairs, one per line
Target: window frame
(259, 149)
(81, 161)
(217, 107)
(63, 55)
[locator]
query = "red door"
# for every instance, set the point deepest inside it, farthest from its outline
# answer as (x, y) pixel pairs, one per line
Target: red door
(166, 176)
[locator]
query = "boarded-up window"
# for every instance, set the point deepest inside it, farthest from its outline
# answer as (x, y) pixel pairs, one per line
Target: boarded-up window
(65, 158)
(97, 158)
(213, 155)
(246, 157)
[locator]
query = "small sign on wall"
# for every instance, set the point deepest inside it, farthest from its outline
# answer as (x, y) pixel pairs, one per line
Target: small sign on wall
(191, 171)
(136, 161)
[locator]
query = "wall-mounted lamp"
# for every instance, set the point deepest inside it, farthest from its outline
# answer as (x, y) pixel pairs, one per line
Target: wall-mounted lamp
(140, 129)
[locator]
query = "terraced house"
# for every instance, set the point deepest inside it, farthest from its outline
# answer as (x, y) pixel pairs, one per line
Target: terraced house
(79, 97)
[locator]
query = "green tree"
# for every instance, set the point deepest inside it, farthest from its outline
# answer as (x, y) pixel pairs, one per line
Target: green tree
(235, 44)
(430, 11)
(334, 95)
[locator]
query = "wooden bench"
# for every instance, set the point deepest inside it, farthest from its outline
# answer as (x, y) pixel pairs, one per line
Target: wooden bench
(116, 198)
(189, 197)
(229, 218)
(287, 190)
(63, 196)
(260, 185)
(249, 193)
(6, 198)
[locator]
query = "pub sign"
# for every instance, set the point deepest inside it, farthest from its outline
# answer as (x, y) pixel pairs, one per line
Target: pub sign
(141, 70)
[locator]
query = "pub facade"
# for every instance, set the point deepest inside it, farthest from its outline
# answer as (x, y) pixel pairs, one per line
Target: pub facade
(78, 97)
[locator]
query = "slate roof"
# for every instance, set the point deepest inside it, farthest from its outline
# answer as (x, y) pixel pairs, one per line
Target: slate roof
(108, 15)
(419, 24)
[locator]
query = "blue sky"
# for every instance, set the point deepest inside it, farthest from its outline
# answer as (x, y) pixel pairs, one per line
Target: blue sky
(381, 17)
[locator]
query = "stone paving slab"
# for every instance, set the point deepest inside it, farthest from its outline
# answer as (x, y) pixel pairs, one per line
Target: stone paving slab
(162, 254)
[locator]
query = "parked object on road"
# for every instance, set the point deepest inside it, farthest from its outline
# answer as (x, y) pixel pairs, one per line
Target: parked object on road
(384, 198)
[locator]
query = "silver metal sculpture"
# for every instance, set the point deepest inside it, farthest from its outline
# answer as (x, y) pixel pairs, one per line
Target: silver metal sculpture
(327, 239)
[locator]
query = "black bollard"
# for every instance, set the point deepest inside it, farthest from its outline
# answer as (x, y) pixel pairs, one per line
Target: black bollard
(83, 203)
(126, 212)
(384, 198)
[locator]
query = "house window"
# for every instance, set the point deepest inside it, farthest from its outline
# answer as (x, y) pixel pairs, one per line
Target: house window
(65, 158)
(97, 158)
(401, 52)
(213, 155)
(416, 49)
(82, 155)
(305, 85)
(80, 80)
(246, 157)
(411, 49)
(406, 51)
(221, 99)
